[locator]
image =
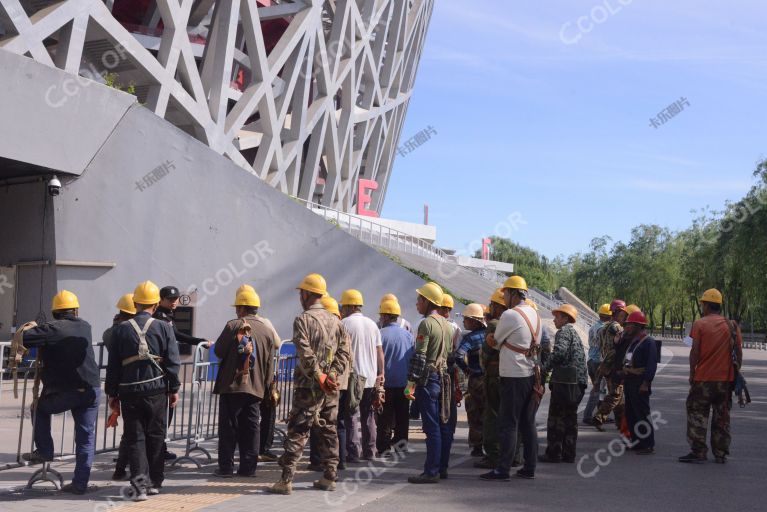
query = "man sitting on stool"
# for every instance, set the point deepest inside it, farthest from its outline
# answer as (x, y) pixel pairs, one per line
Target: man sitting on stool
(70, 379)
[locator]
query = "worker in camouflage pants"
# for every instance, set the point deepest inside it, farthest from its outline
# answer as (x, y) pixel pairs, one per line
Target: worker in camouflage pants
(310, 408)
(491, 382)
(322, 348)
(703, 396)
(467, 358)
(716, 353)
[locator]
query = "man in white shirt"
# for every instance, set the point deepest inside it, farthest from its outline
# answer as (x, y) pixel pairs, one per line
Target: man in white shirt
(369, 363)
(518, 327)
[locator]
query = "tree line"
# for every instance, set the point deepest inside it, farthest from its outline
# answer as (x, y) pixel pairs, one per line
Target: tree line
(664, 271)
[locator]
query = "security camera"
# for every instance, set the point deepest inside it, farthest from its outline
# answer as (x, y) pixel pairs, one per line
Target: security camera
(54, 186)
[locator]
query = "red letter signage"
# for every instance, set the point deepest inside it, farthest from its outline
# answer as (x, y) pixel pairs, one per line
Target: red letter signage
(364, 199)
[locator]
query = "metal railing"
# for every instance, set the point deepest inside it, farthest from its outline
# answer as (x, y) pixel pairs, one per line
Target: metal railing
(195, 419)
(757, 341)
(754, 341)
(375, 234)
(5, 350)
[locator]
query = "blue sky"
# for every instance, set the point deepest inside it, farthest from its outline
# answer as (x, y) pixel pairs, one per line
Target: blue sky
(561, 133)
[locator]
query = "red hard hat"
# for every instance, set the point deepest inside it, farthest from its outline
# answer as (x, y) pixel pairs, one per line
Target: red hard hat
(618, 305)
(637, 317)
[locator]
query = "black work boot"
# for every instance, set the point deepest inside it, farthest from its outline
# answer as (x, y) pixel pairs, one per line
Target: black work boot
(692, 458)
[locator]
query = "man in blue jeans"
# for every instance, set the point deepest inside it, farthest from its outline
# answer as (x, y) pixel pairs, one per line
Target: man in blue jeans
(70, 379)
(428, 367)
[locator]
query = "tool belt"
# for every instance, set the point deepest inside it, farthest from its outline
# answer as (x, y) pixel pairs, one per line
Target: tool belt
(518, 350)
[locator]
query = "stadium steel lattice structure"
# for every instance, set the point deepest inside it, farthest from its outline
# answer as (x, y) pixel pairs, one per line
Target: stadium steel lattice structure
(308, 95)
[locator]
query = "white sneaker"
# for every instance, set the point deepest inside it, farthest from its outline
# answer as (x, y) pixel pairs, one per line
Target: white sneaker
(153, 491)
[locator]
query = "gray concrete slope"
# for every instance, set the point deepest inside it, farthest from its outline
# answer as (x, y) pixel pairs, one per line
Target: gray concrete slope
(154, 203)
(468, 285)
(41, 106)
(462, 282)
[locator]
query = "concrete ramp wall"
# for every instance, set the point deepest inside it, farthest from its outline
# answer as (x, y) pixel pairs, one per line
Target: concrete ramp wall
(154, 203)
(468, 285)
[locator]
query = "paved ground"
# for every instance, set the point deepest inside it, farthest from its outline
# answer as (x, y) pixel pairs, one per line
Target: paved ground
(628, 482)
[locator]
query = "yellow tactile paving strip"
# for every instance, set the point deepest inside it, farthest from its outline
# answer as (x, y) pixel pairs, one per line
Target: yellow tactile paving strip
(214, 492)
(199, 496)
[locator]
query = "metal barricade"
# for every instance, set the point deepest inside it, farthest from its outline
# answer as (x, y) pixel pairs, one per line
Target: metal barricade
(25, 438)
(286, 365)
(107, 440)
(202, 418)
(195, 419)
(5, 350)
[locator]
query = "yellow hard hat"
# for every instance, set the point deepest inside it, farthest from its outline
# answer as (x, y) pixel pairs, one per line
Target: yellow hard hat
(147, 293)
(64, 300)
(532, 304)
(390, 307)
(604, 309)
(516, 283)
(389, 296)
(125, 304)
(431, 292)
(474, 311)
(631, 308)
(498, 297)
(247, 296)
(314, 283)
(352, 297)
(712, 295)
(245, 287)
(447, 301)
(330, 305)
(568, 310)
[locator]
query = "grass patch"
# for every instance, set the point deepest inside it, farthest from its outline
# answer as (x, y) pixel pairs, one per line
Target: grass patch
(425, 277)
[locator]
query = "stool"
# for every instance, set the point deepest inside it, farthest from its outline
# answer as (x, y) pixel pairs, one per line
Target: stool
(46, 474)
